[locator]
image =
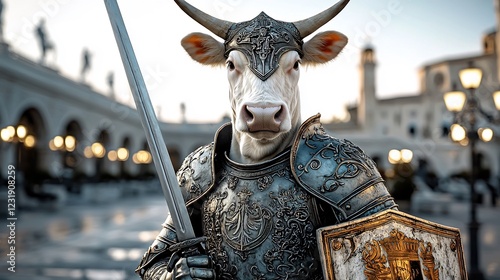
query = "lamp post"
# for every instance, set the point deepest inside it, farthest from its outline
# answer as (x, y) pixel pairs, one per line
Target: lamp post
(467, 110)
(401, 160)
(402, 185)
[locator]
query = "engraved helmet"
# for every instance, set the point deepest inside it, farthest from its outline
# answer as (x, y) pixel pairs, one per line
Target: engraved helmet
(263, 39)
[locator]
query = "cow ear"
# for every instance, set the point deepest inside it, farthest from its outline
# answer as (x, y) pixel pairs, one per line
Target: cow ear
(323, 47)
(204, 49)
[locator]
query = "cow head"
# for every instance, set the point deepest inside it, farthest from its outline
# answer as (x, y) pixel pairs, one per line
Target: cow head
(262, 57)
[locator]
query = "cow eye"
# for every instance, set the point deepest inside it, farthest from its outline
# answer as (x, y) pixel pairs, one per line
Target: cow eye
(230, 65)
(296, 65)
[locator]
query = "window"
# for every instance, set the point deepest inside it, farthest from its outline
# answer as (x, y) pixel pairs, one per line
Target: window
(397, 119)
(445, 130)
(412, 130)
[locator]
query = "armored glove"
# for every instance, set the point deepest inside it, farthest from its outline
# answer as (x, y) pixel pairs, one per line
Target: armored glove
(193, 267)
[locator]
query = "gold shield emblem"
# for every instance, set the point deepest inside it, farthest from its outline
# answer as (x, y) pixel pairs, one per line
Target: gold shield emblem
(391, 245)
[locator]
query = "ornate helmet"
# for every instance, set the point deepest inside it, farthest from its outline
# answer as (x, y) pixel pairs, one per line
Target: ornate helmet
(263, 39)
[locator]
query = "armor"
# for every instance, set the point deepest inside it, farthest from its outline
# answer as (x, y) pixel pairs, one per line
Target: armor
(260, 220)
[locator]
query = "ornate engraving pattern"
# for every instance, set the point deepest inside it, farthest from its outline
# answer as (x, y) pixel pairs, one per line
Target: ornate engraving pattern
(375, 267)
(232, 182)
(245, 224)
(350, 160)
(156, 271)
(263, 224)
(212, 228)
(192, 175)
(403, 258)
(430, 271)
(294, 236)
(338, 172)
(265, 182)
(263, 40)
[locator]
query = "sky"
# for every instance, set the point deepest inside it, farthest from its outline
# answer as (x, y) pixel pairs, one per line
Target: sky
(406, 35)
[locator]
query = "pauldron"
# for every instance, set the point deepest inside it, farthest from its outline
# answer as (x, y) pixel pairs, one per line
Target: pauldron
(338, 172)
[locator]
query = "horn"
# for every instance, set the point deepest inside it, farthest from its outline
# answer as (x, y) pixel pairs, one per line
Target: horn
(309, 25)
(217, 26)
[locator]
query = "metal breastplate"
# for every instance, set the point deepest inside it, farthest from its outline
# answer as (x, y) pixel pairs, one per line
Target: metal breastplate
(260, 223)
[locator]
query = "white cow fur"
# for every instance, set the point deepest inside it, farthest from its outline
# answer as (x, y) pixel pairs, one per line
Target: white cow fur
(279, 89)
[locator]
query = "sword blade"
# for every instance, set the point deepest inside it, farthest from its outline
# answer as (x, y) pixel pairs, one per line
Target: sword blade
(161, 158)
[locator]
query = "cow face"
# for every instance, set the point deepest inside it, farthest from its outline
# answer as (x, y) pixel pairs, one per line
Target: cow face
(265, 113)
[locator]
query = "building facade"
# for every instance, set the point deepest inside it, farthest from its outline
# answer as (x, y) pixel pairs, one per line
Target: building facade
(421, 122)
(51, 125)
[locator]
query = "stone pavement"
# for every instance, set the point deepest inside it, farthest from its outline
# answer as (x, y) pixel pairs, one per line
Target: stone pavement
(96, 241)
(106, 241)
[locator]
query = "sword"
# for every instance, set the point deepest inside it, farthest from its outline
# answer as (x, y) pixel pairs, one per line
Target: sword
(161, 158)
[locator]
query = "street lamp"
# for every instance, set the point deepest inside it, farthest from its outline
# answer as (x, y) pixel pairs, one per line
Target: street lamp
(59, 143)
(18, 134)
(467, 109)
(120, 154)
(400, 156)
(142, 157)
(401, 174)
(401, 160)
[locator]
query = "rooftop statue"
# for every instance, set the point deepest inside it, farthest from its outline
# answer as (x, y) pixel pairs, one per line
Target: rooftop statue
(86, 57)
(110, 79)
(45, 44)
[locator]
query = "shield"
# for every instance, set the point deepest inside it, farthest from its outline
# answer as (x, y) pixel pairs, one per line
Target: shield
(391, 245)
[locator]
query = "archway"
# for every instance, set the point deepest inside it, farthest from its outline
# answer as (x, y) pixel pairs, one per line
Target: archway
(145, 167)
(72, 157)
(175, 158)
(99, 149)
(28, 132)
(125, 158)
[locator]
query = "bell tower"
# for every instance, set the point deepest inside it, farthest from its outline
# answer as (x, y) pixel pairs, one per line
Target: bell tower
(367, 98)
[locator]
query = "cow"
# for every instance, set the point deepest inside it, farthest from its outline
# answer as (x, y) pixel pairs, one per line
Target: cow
(269, 180)
(265, 113)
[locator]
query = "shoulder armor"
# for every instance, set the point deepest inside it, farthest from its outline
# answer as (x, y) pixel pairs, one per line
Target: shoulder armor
(338, 172)
(196, 175)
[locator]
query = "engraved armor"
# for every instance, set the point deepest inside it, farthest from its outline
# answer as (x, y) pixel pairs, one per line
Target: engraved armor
(260, 220)
(260, 224)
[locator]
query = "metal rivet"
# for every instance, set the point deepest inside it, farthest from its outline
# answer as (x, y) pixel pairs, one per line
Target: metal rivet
(348, 206)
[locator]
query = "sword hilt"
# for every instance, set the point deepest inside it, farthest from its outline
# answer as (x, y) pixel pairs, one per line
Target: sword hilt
(186, 248)
(186, 244)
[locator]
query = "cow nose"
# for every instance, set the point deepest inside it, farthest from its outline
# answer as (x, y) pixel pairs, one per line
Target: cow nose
(263, 118)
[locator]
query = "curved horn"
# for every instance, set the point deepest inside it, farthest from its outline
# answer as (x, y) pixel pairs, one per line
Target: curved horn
(217, 26)
(309, 25)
